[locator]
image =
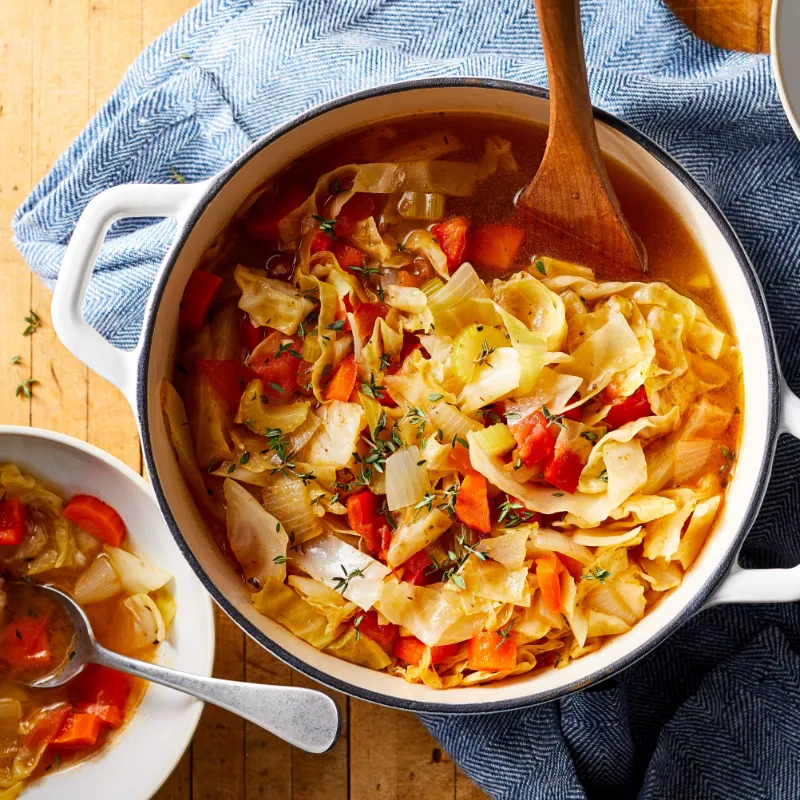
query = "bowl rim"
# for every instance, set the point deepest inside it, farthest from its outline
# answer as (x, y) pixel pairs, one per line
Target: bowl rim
(194, 711)
(693, 606)
(789, 101)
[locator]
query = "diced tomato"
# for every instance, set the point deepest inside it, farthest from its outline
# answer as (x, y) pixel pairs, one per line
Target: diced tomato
(278, 373)
(103, 692)
(574, 413)
(547, 570)
(198, 295)
(94, 516)
(343, 381)
(80, 732)
(227, 378)
(359, 206)
(320, 242)
(572, 565)
(628, 409)
(252, 335)
(12, 522)
(47, 726)
(417, 568)
(366, 314)
(384, 635)
(489, 650)
(564, 470)
(362, 515)
(495, 246)
(458, 457)
(536, 442)
(264, 217)
(472, 503)
(452, 236)
(410, 649)
(347, 255)
(411, 279)
(26, 644)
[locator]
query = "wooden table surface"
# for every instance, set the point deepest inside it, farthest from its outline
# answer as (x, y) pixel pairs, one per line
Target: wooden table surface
(59, 61)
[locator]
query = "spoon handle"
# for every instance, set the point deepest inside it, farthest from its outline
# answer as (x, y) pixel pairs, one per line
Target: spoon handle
(306, 718)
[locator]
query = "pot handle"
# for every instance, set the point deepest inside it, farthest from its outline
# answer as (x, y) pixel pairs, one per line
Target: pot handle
(766, 585)
(130, 200)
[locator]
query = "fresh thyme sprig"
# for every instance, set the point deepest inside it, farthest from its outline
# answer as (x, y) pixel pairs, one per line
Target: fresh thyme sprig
(343, 583)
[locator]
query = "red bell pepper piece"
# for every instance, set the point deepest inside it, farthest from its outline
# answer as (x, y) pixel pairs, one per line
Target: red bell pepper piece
(472, 503)
(452, 236)
(490, 651)
(547, 570)
(564, 470)
(535, 441)
(12, 522)
(410, 344)
(366, 314)
(410, 649)
(418, 568)
(628, 409)
(384, 635)
(263, 220)
(227, 378)
(197, 298)
(347, 255)
(103, 692)
(79, 733)
(362, 514)
(97, 518)
(495, 246)
(252, 335)
(359, 206)
(278, 371)
(343, 381)
(321, 241)
(26, 644)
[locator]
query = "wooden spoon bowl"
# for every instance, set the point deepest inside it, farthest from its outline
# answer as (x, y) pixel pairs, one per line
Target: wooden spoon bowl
(573, 210)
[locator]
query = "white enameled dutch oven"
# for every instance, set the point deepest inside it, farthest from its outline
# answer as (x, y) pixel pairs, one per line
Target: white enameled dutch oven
(201, 211)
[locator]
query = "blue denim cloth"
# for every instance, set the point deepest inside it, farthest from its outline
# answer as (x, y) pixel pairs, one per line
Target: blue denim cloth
(715, 711)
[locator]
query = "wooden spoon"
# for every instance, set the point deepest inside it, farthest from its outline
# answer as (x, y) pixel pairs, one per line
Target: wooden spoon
(570, 198)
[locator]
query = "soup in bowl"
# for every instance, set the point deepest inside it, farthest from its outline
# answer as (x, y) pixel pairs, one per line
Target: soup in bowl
(363, 272)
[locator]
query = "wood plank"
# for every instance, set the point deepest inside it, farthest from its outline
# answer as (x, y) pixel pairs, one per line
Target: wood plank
(115, 40)
(268, 759)
(16, 72)
(218, 749)
(60, 103)
(158, 15)
(179, 785)
(734, 24)
(393, 757)
(323, 777)
(466, 789)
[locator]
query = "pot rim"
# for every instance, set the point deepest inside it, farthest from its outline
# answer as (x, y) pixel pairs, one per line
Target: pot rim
(701, 597)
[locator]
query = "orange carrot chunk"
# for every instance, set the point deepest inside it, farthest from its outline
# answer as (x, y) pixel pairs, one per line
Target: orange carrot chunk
(96, 517)
(343, 381)
(103, 692)
(491, 651)
(495, 246)
(81, 731)
(410, 649)
(547, 570)
(472, 503)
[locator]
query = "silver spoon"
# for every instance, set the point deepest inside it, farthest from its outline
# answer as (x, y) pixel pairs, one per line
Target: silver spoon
(306, 718)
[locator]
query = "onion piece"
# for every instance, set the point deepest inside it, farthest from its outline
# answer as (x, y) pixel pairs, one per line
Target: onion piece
(691, 457)
(553, 541)
(287, 499)
(406, 478)
(464, 284)
(604, 538)
(134, 574)
(606, 600)
(354, 574)
(98, 583)
(508, 549)
(451, 422)
(148, 624)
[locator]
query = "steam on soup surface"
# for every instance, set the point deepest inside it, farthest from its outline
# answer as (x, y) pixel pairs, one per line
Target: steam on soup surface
(429, 447)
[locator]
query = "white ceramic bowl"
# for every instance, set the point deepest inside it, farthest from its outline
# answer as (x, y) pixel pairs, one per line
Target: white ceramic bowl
(785, 57)
(144, 753)
(202, 210)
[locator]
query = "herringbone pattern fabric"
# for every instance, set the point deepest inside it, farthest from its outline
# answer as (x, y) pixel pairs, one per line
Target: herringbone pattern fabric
(714, 712)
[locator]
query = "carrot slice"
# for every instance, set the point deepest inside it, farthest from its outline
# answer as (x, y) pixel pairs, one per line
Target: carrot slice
(491, 651)
(384, 635)
(96, 517)
(81, 731)
(495, 246)
(410, 649)
(472, 503)
(547, 570)
(103, 692)
(343, 381)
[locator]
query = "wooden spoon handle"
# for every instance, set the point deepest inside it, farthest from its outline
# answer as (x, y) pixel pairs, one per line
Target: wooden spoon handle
(571, 120)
